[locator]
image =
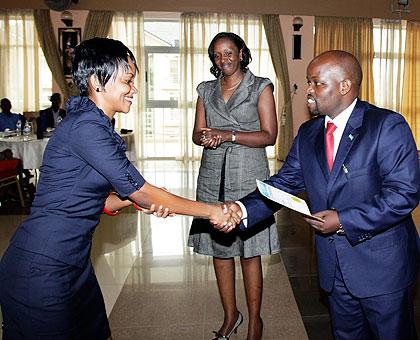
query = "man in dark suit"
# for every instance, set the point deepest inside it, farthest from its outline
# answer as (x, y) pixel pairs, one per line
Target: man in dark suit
(362, 179)
(49, 117)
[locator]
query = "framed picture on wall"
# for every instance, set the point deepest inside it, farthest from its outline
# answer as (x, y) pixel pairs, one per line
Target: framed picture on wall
(68, 39)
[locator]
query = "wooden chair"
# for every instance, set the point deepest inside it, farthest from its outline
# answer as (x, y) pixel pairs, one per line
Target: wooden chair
(9, 176)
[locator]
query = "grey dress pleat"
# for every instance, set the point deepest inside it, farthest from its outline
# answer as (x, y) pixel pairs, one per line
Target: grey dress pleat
(228, 172)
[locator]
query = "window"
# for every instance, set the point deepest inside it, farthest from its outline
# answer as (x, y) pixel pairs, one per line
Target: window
(388, 63)
(162, 67)
(25, 77)
(162, 128)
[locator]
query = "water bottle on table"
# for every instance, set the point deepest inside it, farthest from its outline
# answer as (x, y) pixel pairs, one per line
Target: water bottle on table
(19, 127)
(26, 131)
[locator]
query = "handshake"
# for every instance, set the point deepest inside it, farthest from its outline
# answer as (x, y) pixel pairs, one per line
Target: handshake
(226, 216)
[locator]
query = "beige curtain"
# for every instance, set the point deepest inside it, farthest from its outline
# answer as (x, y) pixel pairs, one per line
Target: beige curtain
(98, 24)
(284, 107)
(197, 31)
(22, 77)
(354, 35)
(388, 64)
(411, 88)
(49, 46)
(129, 28)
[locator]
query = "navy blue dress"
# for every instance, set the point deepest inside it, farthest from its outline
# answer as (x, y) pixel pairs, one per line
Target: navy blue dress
(48, 289)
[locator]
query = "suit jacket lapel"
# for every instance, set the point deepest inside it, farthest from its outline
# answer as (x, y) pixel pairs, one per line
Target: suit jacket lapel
(349, 137)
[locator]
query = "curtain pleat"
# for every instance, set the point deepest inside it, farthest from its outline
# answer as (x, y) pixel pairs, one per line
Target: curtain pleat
(98, 24)
(275, 41)
(354, 35)
(411, 85)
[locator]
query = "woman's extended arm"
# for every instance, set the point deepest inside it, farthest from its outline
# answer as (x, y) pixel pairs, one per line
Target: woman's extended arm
(114, 204)
(149, 194)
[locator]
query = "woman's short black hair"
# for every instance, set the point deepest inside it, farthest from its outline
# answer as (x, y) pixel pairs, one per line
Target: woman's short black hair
(101, 57)
(240, 44)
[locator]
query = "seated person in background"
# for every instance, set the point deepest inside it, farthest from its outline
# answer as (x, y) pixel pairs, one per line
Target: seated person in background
(8, 119)
(49, 117)
(8, 164)
(6, 154)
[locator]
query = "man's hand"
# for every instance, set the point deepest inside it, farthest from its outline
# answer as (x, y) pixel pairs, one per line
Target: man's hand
(330, 224)
(222, 219)
(233, 214)
(235, 211)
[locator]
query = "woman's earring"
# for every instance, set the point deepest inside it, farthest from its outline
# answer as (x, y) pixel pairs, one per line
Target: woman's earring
(97, 89)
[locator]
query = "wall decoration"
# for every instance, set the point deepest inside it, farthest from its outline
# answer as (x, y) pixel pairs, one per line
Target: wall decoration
(68, 39)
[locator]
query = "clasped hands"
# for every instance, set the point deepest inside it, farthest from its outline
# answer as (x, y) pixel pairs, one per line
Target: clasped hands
(226, 216)
(210, 138)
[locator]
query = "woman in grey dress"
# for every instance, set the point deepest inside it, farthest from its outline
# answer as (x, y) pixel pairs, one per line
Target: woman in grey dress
(235, 120)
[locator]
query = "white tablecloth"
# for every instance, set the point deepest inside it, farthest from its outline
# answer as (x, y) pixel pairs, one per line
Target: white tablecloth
(30, 152)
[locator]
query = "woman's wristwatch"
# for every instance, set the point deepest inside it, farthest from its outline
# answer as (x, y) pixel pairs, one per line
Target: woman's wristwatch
(233, 136)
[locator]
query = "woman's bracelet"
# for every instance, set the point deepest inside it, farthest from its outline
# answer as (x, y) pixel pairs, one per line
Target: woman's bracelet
(111, 213)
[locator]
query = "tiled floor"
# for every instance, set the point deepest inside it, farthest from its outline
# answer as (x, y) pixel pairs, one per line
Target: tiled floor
(155, 287)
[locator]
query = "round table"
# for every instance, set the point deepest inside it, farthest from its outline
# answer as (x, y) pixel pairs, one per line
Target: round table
(29, 151)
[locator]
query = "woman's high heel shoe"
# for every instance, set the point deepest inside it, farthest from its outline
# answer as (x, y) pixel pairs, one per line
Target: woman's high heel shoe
(234, 329)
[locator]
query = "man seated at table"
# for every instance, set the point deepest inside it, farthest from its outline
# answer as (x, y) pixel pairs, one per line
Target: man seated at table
(50, 117)
(8, 119)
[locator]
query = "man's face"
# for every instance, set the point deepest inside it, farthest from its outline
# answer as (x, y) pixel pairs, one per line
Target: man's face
(6, 106)
(323, 93)
(56, 102)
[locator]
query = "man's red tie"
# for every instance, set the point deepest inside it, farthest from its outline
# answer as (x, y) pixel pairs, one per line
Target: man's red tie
(329, 144)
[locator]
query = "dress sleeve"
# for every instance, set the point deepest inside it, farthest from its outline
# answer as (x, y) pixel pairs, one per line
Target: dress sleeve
(94, 143)
(201, 90)
(263, 84)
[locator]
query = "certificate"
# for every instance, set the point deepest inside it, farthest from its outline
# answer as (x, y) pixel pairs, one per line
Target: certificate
(286, 199)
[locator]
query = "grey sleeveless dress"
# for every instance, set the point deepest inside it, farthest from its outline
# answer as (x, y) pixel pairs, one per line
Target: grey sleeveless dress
(228, 172)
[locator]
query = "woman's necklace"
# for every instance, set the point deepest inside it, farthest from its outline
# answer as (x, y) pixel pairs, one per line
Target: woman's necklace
(232, 87)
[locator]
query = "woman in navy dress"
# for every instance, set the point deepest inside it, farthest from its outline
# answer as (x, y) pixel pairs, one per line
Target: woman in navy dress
(48, 289)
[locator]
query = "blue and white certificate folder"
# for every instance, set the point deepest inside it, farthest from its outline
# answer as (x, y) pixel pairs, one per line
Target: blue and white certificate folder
(286, 199)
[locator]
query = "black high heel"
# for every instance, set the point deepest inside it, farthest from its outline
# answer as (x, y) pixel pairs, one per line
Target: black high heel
(234, 330)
